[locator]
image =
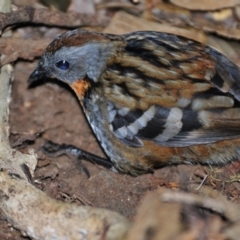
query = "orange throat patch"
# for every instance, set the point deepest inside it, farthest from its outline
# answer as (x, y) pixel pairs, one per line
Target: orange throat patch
(80, 87)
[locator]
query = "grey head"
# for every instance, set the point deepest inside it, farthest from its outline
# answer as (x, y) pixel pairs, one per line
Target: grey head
(73, 56)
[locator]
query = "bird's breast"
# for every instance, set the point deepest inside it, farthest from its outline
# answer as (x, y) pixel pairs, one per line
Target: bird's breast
(80, 87)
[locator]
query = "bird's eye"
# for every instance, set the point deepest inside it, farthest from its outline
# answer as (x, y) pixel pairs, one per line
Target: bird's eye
(63, 64)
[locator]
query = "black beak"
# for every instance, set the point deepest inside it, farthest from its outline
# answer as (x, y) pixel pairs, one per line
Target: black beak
(38, 74)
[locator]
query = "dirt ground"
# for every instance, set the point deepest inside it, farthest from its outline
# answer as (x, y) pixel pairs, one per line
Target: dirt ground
(50, 111)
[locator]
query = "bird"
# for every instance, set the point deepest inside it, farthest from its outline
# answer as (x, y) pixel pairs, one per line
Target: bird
(151, 98)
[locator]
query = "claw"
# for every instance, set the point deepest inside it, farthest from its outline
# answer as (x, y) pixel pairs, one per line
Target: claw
(52, 149)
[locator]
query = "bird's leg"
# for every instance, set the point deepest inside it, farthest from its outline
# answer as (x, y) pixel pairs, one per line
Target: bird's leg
(54, 150)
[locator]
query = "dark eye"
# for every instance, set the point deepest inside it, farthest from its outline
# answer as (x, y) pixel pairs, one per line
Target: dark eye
(63, 64)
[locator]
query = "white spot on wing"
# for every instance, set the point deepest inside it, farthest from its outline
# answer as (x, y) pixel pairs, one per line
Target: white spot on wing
(146, 117)
(132, 129)
(213, 102)
(123, 111)
(183, 102)
(111, 115)
(150, 113)
(121, 132)
(172, 126)
(137, 124)
(141, 122)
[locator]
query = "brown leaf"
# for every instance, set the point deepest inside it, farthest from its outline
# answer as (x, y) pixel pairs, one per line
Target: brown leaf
(82, 6)
(205, 4)
(26, 49)
(47, 17)
(223, 23)
(120, 25)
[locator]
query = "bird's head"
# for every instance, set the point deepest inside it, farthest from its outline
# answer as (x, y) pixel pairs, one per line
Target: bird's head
(74, 57)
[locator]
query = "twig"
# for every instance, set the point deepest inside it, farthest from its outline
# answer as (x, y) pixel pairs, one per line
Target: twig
(46, 17)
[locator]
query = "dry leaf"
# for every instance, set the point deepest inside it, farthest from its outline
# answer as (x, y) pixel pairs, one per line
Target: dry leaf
(205, 4)
(223, 23)
(120, 25)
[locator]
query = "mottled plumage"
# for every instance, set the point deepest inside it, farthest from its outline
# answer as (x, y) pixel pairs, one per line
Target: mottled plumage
(151, 98)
